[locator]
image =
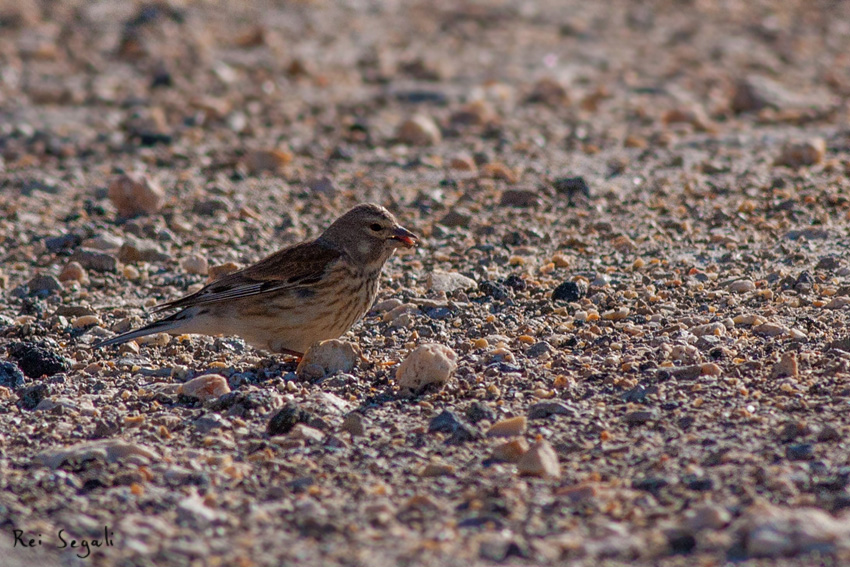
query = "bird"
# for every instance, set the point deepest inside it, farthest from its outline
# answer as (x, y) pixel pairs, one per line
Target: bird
(298, 296)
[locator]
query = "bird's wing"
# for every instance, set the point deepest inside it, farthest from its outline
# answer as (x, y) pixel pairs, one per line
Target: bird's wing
(297, 266)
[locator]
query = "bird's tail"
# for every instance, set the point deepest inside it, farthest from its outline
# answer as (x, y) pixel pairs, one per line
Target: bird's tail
(172, 323)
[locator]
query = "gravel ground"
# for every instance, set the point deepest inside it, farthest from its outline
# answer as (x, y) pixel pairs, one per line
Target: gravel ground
(634, 232)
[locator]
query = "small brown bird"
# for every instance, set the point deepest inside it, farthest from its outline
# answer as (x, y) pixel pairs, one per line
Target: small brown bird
(300, 295)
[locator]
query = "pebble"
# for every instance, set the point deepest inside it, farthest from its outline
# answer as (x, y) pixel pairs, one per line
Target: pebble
(542, 410)
(259, 161)
(141, 250)
(571, 186)
(498, 170)
(44, 284)
(770, 329)
(419, 130)
(786, 367)
(220, 270)
(205, 387)
(105, 451)
(437, 468)
(756, 92)
(11, 376)
(773, 531)
(510, 451)
(286, 418)
(85, 321)
(519, 198)
(708, 516)
(95, 260)
(329, 357)
(456, 219)
(36, 361)
(354, 423)
(800, 154)
(446, 422)
(508, 427)
(427, 364)
(479, 411)
(570, 291)
(463, 162)
(193, 513)
(449, 282)
(195, 264)
(742, 286)
(30, 396)
(709, 329)
(539, 350)
(73, 272)
(616, 314)
(135, 194)
(308, 434)
(640, 417)
(837, 303)
(540, 460)
(550, 92)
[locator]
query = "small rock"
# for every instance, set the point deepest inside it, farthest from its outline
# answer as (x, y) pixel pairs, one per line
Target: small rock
(498, 170)
(510, 451)
(770, 329)
(800, 452)
(709, 329)
(207, 423)
(427, 364)
(195, 514)
(195, 264)
(456, 219)
(135, 194)
(324, 185)
(286, 418)
(570, 291)
(508, 427)
(30, 396)
(308, 434)
(73, 272)
(519, 198)
(36, 361)
(449, 282)
(639, 417)
(84, 321)
(210, 207)
(571, 186)
(773, 531)
(105, 242)
(463, 162)
(258, 161)
(106, 451)
(433, 469)
(616, 314)
(328, 357)
(95, 260)
(43, 284)
(205, 387)
(221, 270)
(540, 460)
(756, 92)
(742, 286)
(58, 243)
(479, 411)
(354, 423)
(419, 130)
(708, 516)
(446, 422)
(539, 349)
(141, 250)
(542, 410)
(550, 92)
(800, 154)
(11, 376)
(494, 289)
(787, 366)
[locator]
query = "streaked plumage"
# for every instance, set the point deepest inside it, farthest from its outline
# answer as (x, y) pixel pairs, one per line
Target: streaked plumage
(302, 294)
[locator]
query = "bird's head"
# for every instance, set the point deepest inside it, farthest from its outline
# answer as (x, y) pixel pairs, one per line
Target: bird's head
(369, 234)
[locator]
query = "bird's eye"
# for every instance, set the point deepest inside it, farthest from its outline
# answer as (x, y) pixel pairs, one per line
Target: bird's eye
(376, 227)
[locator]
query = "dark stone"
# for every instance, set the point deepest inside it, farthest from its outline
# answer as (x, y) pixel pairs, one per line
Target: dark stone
(479, 411)
(515, 282)
(36, 361)
(542, 410)
(11, 376)
(699, 483)
(651, 484)
(800, 452)
(56, 243)
(495, 290)
(446, 422)
(571, 186)
(95, 260)
(30, 396)
(570, 291)
(681, 542)
(456, 219)
(286, 418)
(639, 417)
(43, 285)
(539, 349)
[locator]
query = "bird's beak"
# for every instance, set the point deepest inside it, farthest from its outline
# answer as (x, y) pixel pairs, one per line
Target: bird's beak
(404, 236)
